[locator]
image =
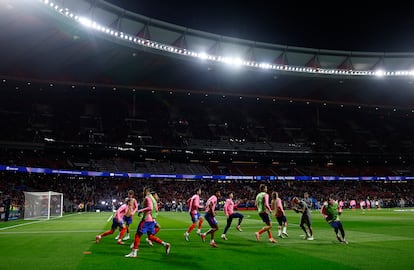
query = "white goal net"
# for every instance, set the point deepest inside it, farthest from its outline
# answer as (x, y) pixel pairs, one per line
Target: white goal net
(43, 205)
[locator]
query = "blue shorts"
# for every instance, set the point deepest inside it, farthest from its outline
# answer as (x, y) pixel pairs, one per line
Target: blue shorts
(210, 219)
(195, 217)
(146, 227)
(335, 224)
(128, 220)
(117, 224)
(265, 217)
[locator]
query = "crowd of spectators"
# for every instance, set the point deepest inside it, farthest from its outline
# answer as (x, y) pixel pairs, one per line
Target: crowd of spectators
(106, 193)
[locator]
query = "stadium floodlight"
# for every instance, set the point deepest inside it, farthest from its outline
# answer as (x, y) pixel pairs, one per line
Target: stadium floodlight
(85, 21)
(379, 73)
(43, 205)
(203, 55)
(220, 58)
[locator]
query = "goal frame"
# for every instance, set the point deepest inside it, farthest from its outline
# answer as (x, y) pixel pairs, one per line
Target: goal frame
(45, 209)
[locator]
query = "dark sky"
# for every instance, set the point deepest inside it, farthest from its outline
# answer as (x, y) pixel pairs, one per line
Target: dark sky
(337, 25)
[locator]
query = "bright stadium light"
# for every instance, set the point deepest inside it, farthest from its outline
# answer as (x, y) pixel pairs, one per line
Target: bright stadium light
(85, 21)
(233, 61)
(265, 65)
(237, 61)
(379, 73)
(203, 55)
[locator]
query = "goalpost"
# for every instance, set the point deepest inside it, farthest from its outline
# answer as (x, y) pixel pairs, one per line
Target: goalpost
(43, 205)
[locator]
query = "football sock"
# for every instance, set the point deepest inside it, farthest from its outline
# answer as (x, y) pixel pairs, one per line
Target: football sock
(192, 226)
(121, 234)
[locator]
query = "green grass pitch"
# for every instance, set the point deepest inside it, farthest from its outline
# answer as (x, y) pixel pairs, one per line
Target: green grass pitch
(378, 239)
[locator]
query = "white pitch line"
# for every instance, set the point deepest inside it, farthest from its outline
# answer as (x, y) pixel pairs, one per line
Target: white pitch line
(34, 222)
(110, 217)
(19, 225)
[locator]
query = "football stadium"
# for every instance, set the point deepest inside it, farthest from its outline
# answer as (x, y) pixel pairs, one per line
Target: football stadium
(136, 143)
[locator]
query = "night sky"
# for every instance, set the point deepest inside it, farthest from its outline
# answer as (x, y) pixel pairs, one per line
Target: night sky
(336, 25)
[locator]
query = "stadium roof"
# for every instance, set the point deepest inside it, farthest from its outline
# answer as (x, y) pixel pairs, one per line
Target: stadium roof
(43, 42)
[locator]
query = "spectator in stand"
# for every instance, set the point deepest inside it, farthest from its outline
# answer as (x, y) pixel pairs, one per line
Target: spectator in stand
(230, 214)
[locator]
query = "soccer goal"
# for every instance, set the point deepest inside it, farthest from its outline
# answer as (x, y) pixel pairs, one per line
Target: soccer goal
(43, 205)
